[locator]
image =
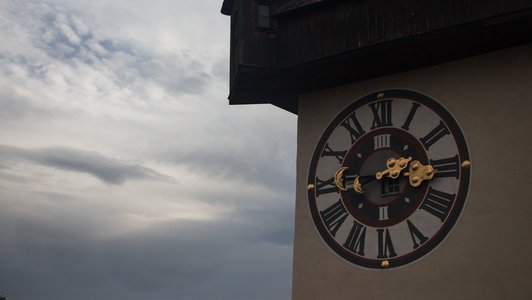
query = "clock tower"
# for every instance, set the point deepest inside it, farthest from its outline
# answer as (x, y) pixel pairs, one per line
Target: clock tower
(413, 148)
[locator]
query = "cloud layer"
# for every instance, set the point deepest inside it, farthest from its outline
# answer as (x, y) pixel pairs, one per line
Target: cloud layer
(124, 174)
(106, 169)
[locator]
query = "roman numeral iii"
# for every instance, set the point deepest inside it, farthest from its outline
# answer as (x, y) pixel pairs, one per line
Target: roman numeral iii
(438, 203)
(446, 167)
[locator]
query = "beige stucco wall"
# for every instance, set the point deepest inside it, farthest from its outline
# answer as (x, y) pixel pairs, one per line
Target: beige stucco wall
(488, 255)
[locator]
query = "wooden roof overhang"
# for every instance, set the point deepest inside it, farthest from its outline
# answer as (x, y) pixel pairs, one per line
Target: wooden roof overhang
(281, 85)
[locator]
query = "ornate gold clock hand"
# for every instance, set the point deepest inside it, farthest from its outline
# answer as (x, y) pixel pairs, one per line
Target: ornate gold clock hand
(395, 166)
(361, 180)
(339, 179)
(417, 172)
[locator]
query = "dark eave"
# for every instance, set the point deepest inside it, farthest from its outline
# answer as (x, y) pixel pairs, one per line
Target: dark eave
(280, 86)
(227, 7)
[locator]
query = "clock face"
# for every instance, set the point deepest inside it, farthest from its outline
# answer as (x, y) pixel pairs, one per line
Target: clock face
(388, 179)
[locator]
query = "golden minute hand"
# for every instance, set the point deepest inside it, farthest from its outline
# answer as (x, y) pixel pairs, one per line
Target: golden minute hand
(395, 166)
(417, 172)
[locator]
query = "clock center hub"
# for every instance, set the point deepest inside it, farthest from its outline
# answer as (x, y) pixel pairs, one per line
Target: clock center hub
(384, 191)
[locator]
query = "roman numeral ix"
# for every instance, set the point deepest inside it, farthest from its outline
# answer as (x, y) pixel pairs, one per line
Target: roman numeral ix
(325, 186)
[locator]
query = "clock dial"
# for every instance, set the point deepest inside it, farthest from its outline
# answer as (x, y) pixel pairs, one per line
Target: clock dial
(388, 179)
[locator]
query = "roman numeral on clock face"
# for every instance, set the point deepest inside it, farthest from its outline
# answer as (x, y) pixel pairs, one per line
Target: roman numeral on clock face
(438, 203)
(416, 235)
(353, 126)
(385, 244)
(406, 125)
(446, 167)
(381, 141)
(383, 213)
(357, 237)
(330, 152)
(325, 186)
(434, 135)
(334, 216)
(382, 113)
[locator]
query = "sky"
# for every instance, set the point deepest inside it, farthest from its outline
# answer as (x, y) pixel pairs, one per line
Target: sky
(124, 173)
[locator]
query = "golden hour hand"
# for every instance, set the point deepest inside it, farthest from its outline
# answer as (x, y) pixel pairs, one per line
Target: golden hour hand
(360, 181)
(395, 166)
(339, 179)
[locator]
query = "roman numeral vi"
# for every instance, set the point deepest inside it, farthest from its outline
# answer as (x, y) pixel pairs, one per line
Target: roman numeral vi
(385, 244)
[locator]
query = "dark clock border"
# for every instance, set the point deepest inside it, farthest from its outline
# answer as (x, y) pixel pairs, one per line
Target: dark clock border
(461, 196)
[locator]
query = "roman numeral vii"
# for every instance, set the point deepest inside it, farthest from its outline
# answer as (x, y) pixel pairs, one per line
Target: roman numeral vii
(334, 216)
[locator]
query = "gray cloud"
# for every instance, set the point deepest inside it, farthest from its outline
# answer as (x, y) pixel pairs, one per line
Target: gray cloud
(108, 170)
(65, 37)
(176, 260)
(153, 76)
(220, 69)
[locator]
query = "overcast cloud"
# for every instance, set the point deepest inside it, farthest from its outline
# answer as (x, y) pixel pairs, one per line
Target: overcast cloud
(124, 173)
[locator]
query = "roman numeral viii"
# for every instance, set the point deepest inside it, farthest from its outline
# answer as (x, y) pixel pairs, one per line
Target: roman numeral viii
(334, 216)
(382, 113)
(438, 203)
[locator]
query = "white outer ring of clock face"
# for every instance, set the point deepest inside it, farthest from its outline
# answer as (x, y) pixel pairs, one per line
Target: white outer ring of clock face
(424, 120)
